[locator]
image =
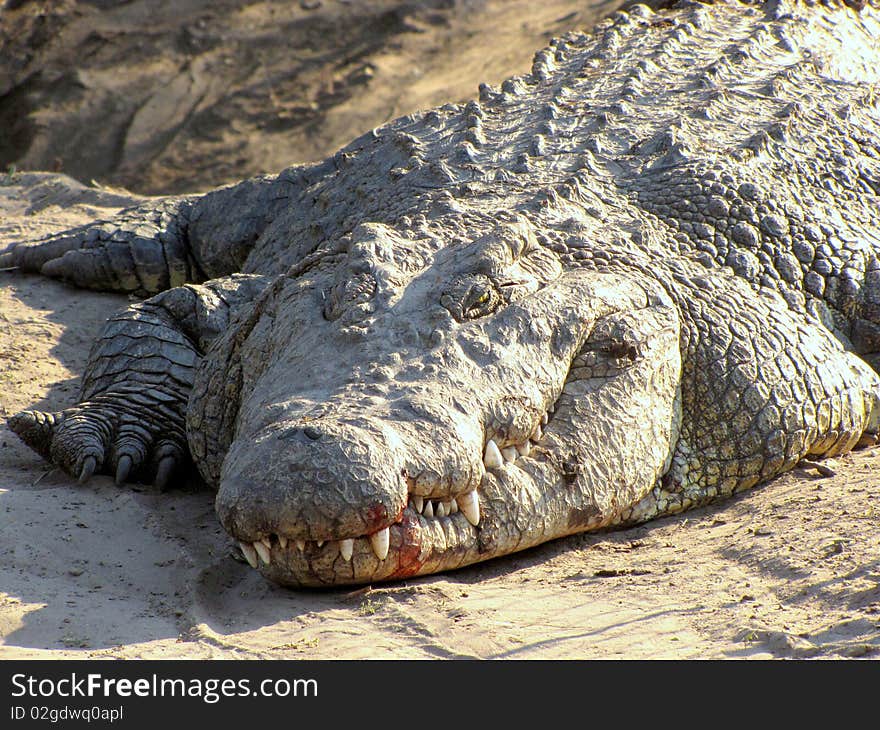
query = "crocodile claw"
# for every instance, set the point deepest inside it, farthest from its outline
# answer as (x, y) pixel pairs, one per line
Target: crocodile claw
(90, 463)
(123, 469)
(163, 472)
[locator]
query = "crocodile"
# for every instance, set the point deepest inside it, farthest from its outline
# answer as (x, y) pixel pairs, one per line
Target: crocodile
(642, 277)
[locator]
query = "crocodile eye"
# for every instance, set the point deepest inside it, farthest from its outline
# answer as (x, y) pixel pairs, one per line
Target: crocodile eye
(347, 294)
(481, 299)
(471, 296)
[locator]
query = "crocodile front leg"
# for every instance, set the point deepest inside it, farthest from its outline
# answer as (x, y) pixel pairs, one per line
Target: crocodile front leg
(129, 421)
(161, 244)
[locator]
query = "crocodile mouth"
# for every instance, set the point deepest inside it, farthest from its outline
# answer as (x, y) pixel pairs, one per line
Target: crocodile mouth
(465, 509)
(454, 519)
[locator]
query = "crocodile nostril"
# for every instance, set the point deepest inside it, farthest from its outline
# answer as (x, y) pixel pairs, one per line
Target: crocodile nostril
(313, 433)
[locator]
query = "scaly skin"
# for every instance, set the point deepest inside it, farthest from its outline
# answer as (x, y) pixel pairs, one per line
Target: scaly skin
(642, 277)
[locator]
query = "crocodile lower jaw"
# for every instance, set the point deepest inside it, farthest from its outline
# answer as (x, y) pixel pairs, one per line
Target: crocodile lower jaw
(464, 507)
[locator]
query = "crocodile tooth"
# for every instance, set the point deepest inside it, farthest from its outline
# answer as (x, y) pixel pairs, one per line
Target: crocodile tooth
(509, 453)
(263, 552)
(453, 506)
(418, 503)
(429, 509)
(538, 435)
(469, 504)
(440, 509)
(380, 542)
(267, 542)
(523, 449)
(492, 456)
(319, 543)
(544, 418)
(249, 553)
(282, 541)
(301, 544)
(346, 548)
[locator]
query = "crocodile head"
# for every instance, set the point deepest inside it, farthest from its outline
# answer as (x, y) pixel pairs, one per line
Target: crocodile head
(405, 405)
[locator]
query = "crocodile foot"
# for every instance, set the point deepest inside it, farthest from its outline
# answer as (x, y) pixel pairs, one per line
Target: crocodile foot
(128, 436)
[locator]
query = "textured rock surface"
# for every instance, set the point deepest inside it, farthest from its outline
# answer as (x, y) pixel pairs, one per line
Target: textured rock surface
(644, 282)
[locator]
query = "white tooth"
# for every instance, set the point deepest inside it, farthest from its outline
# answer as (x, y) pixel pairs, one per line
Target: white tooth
(418, 503)
(469, 504)
(346, 548)
(380, 542)
(263, 552)
(301, 544)
(492, 456)
(509, 453)
(267, 542)
(249, 553)
(319, 543)
(453, 507)
(282, 541)
(544, 419)
(429, 509)
(538, 435)
(523, 449)
(440, 511)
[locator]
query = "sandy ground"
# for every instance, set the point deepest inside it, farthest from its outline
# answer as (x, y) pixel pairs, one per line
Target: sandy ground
(791, 569)
(171, 96)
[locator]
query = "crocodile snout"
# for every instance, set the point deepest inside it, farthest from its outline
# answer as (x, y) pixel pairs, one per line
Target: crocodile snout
(319, 488)
(316, 481)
